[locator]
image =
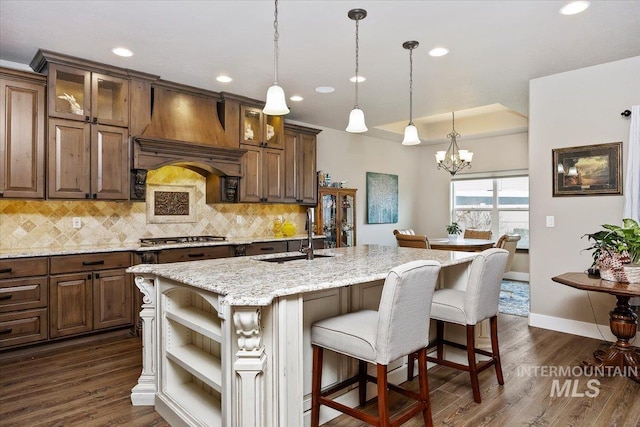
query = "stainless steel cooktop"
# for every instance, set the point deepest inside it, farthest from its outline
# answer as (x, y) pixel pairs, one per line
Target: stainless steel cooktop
(153, 241)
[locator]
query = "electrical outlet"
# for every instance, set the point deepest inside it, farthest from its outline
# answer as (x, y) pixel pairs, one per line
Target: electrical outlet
(77, 222)
(238, 219)
(280, 218)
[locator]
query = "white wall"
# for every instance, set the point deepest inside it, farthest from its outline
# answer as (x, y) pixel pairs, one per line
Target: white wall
(348, 157)
(580, 107)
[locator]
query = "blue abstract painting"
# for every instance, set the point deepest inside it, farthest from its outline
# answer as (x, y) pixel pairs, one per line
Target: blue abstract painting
(382, 198)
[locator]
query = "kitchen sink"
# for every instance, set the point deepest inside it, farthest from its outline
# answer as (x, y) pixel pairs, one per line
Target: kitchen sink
(286, 258)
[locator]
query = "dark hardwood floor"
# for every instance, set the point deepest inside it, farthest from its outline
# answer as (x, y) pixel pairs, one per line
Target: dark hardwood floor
(89, 385)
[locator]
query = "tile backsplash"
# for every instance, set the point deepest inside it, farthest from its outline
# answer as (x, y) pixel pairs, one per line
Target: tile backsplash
(36, 224)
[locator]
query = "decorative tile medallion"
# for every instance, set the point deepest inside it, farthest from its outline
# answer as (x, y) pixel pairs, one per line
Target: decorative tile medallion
(171, 204)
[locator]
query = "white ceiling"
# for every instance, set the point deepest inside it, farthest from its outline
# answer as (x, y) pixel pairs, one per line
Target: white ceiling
(496, 47)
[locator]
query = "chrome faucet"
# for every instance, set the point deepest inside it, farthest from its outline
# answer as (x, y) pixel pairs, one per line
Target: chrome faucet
(308, 249)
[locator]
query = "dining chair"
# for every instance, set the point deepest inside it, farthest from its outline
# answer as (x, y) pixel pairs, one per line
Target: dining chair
(399, 327)
(477, 234)
(468, 307)
(508, 242)
(411, 240)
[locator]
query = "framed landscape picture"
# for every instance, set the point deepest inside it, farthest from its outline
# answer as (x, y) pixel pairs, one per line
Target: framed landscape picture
(382, 198)
(588, 170)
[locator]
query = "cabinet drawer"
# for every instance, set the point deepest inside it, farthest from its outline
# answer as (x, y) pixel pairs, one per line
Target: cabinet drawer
(294, 245)
(194, 254)
(23, 327)
(21, 294)
(89, 262)
(22, 267)
(266, 248)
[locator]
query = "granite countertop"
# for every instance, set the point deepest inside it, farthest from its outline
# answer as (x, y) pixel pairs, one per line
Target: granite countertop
(135, 246)
(250, 281)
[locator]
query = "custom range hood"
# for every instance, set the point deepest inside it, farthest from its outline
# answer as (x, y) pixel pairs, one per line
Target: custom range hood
(185, 131)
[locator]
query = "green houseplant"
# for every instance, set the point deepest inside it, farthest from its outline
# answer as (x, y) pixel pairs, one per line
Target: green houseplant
(453, 230)
(616, 251)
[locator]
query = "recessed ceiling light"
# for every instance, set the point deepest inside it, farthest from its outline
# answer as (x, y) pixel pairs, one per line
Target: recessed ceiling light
(574, 7)
(360, 79)
(438, 51)
(325, 89)
(224, 79)
(122, 51)
(296, 98)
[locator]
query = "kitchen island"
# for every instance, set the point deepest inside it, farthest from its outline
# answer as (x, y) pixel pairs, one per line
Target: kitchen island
(226, 342)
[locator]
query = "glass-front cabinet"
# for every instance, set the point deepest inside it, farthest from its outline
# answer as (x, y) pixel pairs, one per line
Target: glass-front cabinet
(260, 129)
(78, 94)
(337, 216)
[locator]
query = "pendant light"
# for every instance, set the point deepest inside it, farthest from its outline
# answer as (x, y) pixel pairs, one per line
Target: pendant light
(276, 104)
(454, 159)
(410, 132)
(356, 117)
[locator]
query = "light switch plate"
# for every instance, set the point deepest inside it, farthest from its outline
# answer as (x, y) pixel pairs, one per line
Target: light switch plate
(551, 221)
(238, 219)
(77, 222)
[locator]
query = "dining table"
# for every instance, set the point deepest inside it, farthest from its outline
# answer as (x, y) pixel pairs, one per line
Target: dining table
(461, 244)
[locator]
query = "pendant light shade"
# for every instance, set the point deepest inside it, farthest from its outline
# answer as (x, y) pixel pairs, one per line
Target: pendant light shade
(276, 104)
(410, 132)
(356, 121)
(356, 117)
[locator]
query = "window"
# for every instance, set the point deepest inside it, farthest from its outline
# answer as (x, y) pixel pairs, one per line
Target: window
(499, 204)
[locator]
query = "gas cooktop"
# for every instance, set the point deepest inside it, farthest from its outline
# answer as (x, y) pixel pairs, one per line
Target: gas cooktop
(153, 241)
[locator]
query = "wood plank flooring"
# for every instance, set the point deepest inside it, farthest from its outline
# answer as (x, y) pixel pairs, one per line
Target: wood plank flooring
(89, 385)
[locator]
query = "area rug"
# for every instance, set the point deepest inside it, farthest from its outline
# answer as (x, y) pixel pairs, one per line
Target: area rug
(514, 298)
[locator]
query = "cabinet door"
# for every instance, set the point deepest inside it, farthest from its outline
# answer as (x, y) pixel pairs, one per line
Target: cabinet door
(70, 304)
(251, 181)
(22, 139)
(273, 162)
(69, 93)
(109, 163)
(290, 190)
(328, 219)
(109, 100)
(307, 180)
(274, 132)
(112, 293)
(251, 126)
(347, 213)
(69, 161)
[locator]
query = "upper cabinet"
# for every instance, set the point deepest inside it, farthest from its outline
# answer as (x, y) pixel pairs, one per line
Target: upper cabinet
(300, 175)
(22, 134)
(78, 94)
(259, 129)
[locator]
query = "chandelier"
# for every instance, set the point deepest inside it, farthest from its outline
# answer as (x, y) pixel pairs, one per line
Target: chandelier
(454, 159)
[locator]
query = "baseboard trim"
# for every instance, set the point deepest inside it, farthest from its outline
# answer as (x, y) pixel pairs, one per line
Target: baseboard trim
(516, 275)
(569, 326)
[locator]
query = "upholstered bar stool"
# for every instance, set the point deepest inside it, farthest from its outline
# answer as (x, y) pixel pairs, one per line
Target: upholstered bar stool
(477, 234)
(399, 327)
(479, 301)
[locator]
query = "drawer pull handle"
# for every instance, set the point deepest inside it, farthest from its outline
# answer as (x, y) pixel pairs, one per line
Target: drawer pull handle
(199, 255)
(93, 262)
(5, 297)
(6, 331)
(267, 249)
(5, 270)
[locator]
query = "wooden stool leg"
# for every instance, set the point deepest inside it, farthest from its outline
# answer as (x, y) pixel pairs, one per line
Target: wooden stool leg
(424, 387)
(440, 338)
(383, 403)
(495, 349)
(362, 381)
(473, 368)
(410, 362)
(316, 386)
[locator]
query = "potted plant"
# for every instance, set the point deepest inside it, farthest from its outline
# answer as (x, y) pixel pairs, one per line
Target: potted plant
(616, 251)
(453, 230)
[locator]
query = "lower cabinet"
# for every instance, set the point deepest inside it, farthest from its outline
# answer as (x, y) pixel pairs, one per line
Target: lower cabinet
(94, 292)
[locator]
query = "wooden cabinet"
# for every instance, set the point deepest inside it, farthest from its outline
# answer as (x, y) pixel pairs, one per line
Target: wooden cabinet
(195, 254)
(22, 133)
(266, 248)
(89, 292)
(262, 170)
(260, 130)
(337, 216)
(88, 161)
(23, 301)
(300, 175)
(79, 94)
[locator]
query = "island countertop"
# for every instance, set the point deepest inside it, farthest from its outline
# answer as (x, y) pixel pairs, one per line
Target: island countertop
(250, 281)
